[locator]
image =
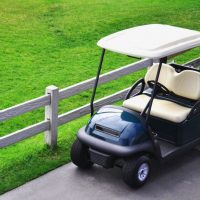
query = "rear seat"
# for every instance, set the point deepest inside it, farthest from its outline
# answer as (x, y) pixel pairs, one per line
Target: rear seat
(185, 84)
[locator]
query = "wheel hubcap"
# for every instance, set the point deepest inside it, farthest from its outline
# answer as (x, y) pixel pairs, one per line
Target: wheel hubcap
(143, 172)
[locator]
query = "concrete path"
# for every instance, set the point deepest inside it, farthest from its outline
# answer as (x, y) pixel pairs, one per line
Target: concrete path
(178, 180)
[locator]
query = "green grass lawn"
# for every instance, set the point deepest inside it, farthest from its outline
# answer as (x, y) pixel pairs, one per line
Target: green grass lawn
(47, 42)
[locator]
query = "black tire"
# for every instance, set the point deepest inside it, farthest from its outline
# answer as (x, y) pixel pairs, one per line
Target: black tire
(132, 168)
(80, 156)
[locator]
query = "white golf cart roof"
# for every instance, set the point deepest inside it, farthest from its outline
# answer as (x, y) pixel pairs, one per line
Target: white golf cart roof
(151, 41)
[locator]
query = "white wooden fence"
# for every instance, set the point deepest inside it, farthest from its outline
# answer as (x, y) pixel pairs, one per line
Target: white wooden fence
(53, 95)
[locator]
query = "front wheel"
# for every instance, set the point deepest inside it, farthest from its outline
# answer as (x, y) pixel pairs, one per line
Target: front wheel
(136, 171)
(80, 155)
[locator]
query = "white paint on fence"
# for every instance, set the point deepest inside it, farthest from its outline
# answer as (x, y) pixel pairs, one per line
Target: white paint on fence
(24, 133)
(51, 114)
(24, 107)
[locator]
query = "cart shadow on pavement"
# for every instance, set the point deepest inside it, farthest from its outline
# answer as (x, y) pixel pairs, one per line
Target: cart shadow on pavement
(176, 175)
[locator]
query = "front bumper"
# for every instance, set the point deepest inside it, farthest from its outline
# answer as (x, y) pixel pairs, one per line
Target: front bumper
(113, 149)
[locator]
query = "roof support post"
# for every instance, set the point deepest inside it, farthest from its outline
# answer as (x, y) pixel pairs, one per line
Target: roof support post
(96, 82)
(149, 105)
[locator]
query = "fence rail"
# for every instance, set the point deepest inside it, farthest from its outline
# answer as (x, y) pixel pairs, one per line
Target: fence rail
(24, 107)
(112, 75)
(24, 133)
(53, 95)
(69, 116)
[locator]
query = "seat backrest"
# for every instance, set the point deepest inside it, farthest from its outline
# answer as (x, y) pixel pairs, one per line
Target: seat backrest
(185, 83)
(166, 74)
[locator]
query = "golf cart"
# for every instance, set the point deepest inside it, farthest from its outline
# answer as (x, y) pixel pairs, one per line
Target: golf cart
(159, 122)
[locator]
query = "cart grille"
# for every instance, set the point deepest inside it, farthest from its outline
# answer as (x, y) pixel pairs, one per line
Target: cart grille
(107, 130)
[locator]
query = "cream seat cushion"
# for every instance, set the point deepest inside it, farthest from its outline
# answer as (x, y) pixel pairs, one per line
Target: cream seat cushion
(166, 74)
(185, 83)
(161, 108)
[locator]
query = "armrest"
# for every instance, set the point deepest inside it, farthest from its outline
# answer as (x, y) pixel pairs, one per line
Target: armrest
(195, 110)
(137, 83)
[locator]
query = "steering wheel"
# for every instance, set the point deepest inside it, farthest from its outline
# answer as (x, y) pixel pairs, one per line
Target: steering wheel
(159, 87)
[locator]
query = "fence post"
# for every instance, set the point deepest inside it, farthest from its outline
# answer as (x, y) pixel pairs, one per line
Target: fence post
(51, 114)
